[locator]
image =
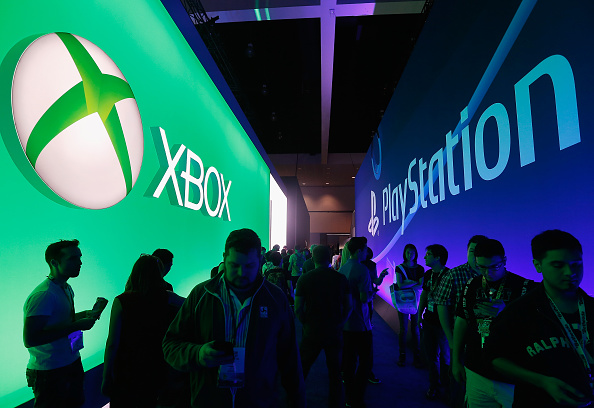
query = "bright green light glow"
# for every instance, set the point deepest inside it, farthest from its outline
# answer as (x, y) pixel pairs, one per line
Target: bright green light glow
(172, 91)
(257, 12)
(267, 11)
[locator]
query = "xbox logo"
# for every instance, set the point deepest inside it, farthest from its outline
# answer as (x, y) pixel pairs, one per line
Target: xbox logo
(77, 120)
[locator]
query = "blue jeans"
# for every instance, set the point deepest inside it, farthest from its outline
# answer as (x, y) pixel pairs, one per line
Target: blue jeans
(437, 354)
(414, 328)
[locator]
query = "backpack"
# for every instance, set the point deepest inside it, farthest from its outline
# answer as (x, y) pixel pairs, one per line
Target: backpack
(299, 261)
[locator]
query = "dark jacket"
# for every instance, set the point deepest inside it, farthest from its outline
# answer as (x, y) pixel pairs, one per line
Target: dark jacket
(528, 333)
(271, 348)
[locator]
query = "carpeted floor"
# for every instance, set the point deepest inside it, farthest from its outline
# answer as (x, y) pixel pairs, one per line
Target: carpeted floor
(402, 387)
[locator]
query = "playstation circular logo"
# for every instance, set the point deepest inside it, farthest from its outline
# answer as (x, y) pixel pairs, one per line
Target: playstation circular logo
(376, 156)
(77, 120)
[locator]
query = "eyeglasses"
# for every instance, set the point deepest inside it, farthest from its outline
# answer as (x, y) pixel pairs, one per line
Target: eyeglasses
(490, 268)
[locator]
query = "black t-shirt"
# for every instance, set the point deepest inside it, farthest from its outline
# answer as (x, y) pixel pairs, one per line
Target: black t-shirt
(323, 290)
(529, 334)
(412, 273)
(474, 292)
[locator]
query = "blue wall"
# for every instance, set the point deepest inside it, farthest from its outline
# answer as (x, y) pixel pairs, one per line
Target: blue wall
(497, 101)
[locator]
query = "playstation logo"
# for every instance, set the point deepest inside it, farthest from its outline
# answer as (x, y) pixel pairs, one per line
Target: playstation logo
(374, 220)
(376, 156)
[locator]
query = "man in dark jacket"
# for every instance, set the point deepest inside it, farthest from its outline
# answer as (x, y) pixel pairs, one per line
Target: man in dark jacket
(236, 335)
(542, 341)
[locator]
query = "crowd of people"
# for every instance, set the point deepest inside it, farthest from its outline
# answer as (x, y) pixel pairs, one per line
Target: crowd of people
(488, 337)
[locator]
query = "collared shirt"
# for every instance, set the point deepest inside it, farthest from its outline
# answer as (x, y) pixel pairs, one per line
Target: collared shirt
(450, 289)
(237, 315)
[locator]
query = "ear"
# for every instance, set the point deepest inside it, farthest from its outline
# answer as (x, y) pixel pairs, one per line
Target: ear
(537, 265)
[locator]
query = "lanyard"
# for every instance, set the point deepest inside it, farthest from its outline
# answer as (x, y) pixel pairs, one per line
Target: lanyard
(578, 346)
(485, 325)
(499, 290)
(438, 280)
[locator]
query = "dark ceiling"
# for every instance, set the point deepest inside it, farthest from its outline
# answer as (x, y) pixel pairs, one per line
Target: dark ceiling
(274, 69)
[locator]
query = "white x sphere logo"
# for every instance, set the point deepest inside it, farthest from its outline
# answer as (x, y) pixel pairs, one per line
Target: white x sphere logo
(77, 120)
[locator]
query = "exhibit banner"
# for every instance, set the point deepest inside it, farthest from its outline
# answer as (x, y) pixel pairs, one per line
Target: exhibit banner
(488, 132)
(116, 134)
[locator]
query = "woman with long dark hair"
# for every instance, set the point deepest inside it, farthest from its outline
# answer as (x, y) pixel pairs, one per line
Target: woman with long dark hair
(135, 373)
(409, 275)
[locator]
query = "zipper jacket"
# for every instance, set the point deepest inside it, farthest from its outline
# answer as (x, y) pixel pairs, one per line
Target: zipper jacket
(271, 347)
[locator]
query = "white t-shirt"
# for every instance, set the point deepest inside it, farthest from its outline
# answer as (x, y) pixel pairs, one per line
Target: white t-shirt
(49, 299)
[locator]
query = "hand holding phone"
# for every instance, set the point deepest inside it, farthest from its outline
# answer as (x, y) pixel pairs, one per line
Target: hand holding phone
(98, 308)
(224, 346)
(216, 353)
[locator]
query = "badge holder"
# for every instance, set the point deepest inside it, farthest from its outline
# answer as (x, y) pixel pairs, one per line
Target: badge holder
(76, 341)
(233, 375)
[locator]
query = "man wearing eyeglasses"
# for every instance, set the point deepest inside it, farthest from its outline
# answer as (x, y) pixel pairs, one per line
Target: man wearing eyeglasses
(550, 353)
(484, 297)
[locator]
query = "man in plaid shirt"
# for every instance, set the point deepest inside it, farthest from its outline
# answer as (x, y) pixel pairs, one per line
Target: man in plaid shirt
(446, 297)
(448, 293)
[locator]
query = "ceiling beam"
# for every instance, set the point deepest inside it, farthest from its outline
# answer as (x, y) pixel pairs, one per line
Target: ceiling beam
(327, 12)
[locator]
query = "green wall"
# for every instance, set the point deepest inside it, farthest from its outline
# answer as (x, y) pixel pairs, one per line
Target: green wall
(173, 92)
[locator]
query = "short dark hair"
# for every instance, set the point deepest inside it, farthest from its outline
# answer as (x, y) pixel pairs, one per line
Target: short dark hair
(321, 255)
(54, 250)
(488, 248)
(275, 257)
(475, 240)
(439, 251)
(276, 247)
(243, 240)
(355, 244)
(297, 248)
(410, 246)
(553, 239)
(146, 276)
(165, 255)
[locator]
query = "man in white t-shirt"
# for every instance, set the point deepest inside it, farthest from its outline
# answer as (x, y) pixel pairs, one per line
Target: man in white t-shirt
(52, 331)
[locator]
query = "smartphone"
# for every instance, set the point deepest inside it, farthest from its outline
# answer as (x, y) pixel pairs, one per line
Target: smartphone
(99, 306)
(225, 346)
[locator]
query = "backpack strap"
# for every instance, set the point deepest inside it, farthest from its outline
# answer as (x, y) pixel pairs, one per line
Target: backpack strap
(401, 271)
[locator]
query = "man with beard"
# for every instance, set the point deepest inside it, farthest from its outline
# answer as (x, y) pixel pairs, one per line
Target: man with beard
(235, 334)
